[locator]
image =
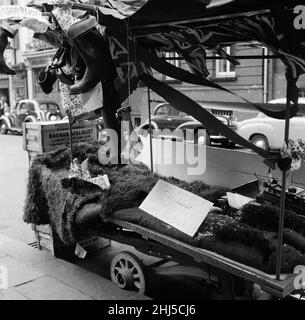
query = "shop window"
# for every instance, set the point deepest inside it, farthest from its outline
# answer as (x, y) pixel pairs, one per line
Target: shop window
(225, 69)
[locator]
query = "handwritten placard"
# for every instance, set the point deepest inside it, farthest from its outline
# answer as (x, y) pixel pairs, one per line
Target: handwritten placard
(179, 208)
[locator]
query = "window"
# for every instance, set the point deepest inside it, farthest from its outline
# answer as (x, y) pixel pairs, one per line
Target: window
(23, 108)
(48, 106)
(224, 68)
(137, 121)
(173, 61)
(163, 110)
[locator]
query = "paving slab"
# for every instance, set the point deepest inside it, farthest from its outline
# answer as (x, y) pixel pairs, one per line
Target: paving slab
(85, 281)
(11, 294)
(19, 273)
(23, 253)
(48, 288)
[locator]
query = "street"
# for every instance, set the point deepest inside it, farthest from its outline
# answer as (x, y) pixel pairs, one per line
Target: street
(13, 176)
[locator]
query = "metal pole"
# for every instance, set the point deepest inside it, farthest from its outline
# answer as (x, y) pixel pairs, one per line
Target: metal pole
(283, 191)
(150, 132)
(70, 134)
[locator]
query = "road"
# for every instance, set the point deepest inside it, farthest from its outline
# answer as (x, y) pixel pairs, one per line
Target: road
(13, 179)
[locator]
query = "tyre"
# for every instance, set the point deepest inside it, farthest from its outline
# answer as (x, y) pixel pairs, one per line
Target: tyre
(3, 127)
(228, 144)
(260, 141)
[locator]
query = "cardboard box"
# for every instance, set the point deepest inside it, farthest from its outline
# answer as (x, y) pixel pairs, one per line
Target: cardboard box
(41, 137)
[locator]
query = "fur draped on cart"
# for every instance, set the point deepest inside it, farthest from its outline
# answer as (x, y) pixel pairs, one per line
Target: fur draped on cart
(53, 199)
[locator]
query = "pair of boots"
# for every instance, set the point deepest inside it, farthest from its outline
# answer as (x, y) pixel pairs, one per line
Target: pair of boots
(93, 50)
(4, 34)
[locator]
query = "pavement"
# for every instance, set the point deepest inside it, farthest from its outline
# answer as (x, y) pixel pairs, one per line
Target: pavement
(34, 274)
(14, 168)
(37, 275)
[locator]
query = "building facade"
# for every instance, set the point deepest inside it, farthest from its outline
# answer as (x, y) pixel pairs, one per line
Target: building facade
(258, 80)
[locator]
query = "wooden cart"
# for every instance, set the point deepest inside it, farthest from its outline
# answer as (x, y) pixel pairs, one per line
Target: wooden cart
(128, 272)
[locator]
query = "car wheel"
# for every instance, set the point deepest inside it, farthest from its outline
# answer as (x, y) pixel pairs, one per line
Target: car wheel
(3, 128)
(260, 141)
(202, 139)
(228, 144)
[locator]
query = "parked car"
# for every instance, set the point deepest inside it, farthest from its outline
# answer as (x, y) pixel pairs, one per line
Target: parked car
(165, 116)
(268, 133)
(29, 111)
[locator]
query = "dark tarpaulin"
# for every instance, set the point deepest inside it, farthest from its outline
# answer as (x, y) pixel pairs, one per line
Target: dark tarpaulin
(188, 11)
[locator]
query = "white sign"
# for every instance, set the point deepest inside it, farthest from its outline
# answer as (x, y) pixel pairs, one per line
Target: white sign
(179, 208)
(237, 201)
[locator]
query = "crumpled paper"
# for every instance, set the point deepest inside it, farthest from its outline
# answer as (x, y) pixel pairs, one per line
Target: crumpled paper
(81, 171)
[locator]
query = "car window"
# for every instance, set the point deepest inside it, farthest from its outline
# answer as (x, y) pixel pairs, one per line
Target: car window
(30, 106)
(48, 106)
(23, 107)
(174, 112)
(163, 110)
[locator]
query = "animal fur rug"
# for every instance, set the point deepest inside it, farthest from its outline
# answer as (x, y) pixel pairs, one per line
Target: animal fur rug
(250, 239)
(53, 198)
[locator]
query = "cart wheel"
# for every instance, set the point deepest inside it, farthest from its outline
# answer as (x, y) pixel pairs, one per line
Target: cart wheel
(127, 272)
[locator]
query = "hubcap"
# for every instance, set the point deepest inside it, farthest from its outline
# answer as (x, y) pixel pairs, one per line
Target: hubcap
(126, 274)
(3, 127)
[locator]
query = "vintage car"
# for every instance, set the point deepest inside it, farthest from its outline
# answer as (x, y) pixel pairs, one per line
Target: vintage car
(268, 133)
(166, 119)
(29, 111)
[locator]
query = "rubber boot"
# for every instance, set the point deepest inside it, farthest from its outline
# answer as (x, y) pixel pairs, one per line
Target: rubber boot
(94, 51)
(4, 69)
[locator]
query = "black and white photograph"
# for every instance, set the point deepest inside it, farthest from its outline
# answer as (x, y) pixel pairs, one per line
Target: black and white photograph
(152, 153)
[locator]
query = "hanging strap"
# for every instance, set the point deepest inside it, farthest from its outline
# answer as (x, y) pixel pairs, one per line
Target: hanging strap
(182, 75)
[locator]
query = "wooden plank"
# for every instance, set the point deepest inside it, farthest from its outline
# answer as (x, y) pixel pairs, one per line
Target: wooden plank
(268, 282)
(45, 228)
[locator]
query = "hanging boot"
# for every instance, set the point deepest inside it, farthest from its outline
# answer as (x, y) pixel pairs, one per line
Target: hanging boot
(46, 80)
(4, 69)
(94, 50)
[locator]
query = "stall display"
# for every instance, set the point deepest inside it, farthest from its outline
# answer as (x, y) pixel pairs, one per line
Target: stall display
(118, 46)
